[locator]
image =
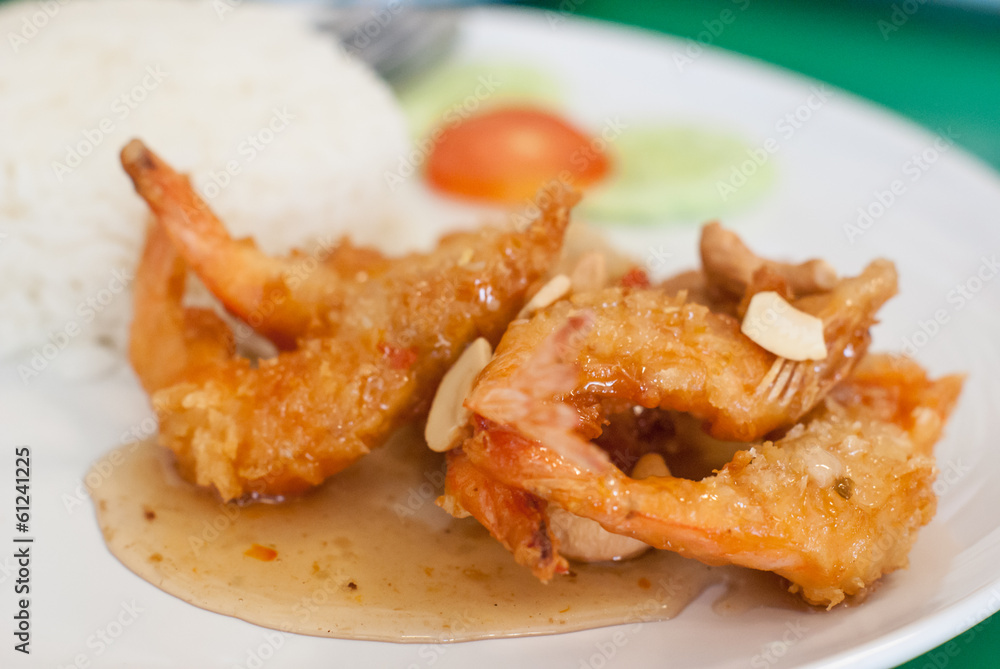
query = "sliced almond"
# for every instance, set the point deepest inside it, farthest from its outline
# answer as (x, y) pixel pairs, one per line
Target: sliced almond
(590, 273)
(651, 464)
(782, 329)
(448, 417)
(557, 288)
(581, 239)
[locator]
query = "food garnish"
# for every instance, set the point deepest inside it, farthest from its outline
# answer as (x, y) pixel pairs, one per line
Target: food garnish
(556, 288)
(505, 155)
(448, 416)
(777, 326)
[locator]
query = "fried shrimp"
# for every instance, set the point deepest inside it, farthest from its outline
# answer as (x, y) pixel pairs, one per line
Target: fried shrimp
(353, 288)
(652, 349)
(832, 506)
(515, 517)
(170, 343)
(573, 397)
(369, 337)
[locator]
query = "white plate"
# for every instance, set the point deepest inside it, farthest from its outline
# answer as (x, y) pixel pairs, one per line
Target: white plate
(939, 231)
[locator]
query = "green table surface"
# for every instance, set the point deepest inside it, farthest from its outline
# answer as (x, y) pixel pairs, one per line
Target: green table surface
(940, 67)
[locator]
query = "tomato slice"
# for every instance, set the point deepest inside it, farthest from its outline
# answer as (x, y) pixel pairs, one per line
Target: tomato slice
(505, 155)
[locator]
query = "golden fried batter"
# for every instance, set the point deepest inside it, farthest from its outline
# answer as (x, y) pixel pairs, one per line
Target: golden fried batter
(372, 344)
(832, 506)
(515, 517)
(649, 348)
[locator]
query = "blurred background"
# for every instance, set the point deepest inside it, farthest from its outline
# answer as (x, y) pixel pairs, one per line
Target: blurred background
(934, 61)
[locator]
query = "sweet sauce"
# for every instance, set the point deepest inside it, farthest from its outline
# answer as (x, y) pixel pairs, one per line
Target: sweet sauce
(370, 556)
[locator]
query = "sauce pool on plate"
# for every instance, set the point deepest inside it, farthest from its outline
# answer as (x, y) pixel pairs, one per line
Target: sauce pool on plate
(370, 556)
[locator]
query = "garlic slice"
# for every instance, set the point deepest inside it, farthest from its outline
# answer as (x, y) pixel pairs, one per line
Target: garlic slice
(777, 326)
(557, 288)
(448, 417)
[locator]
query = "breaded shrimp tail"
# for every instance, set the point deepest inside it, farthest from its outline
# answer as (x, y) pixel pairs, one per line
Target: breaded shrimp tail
(832, 506)
(366, 359)
(831, 503)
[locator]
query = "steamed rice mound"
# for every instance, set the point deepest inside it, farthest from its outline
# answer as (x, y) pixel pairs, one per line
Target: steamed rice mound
(287, 138)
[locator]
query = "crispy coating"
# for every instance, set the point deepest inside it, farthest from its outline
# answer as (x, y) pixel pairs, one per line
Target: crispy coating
(170, 343)
(515, 517)
(649, 348)
(832, 506)
(372, 336)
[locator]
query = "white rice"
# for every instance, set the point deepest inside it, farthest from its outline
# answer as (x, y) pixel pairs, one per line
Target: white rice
(195, 87)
